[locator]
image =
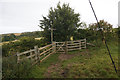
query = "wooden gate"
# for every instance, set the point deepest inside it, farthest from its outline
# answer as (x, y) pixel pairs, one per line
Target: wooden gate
(60, 47)
(64, 47)
(39, 54)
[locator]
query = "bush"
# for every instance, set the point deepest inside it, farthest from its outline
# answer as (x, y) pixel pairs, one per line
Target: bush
(24, 44)
(10, 68)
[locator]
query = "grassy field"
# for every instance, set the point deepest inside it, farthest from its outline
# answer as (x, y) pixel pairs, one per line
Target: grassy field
(6, 42)
(93, 62)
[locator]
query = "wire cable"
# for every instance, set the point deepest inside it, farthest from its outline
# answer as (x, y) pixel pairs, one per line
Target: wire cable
(103, 37)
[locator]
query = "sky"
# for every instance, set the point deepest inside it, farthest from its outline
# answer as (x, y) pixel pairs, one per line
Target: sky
(18, 16)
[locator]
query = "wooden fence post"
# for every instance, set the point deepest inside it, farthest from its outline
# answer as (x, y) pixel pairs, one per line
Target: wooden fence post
(18, 57)
(36, 53)
(80, 44)
(54, 45)
(31, 54)
(31, 57)
(85, 43)
(38, 56)
(66, 47)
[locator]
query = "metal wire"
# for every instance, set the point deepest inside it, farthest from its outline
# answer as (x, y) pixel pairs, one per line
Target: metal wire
(103, 37)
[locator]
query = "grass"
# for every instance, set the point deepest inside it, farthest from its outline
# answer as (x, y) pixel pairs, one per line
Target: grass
(91, 63)
(38, 70)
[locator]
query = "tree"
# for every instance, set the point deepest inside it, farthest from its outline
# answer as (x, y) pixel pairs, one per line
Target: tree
(10, 37)
(5, 38)
(27, 43)
(63, 19)
(105, 27)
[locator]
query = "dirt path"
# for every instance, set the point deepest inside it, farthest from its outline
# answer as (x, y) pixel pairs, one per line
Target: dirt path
(58, 67)
(63, 57)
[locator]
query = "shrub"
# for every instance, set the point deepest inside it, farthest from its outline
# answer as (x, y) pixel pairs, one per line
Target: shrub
(24, 44)
(10, 68)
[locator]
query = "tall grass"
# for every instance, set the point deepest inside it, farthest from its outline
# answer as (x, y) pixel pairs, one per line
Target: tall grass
(11, 69)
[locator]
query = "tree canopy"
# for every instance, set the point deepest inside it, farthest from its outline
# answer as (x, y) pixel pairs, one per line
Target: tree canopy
(105, 27)
(63, 19)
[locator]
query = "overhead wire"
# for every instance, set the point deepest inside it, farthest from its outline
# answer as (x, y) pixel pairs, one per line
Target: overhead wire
(103, 37)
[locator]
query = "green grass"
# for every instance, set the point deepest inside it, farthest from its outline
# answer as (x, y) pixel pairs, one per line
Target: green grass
(39, 70)
(91, 63)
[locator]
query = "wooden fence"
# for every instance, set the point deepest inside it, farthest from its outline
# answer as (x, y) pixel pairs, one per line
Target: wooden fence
(37, 55)
(64, 47)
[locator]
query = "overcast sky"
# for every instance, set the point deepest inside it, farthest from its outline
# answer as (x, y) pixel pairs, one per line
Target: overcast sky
(23, 15)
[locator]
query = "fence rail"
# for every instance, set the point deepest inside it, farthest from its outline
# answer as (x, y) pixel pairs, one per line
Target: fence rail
(39, 54)
(63, 47)
(36, 54)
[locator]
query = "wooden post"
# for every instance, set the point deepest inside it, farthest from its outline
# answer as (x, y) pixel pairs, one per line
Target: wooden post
(31, 57)
(85, 43)
(80, 44)
(51, 35)
(36, 52)
(52, 50)
(66, 47)
(54, 45)
(31, 54)
(38, 56)
(18, 58)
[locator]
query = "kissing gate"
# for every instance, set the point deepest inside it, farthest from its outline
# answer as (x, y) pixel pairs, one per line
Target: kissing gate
(39, 54)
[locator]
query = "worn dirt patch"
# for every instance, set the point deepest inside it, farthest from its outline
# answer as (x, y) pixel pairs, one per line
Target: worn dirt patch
(56, 69)
(65, 56)
(53, 68)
